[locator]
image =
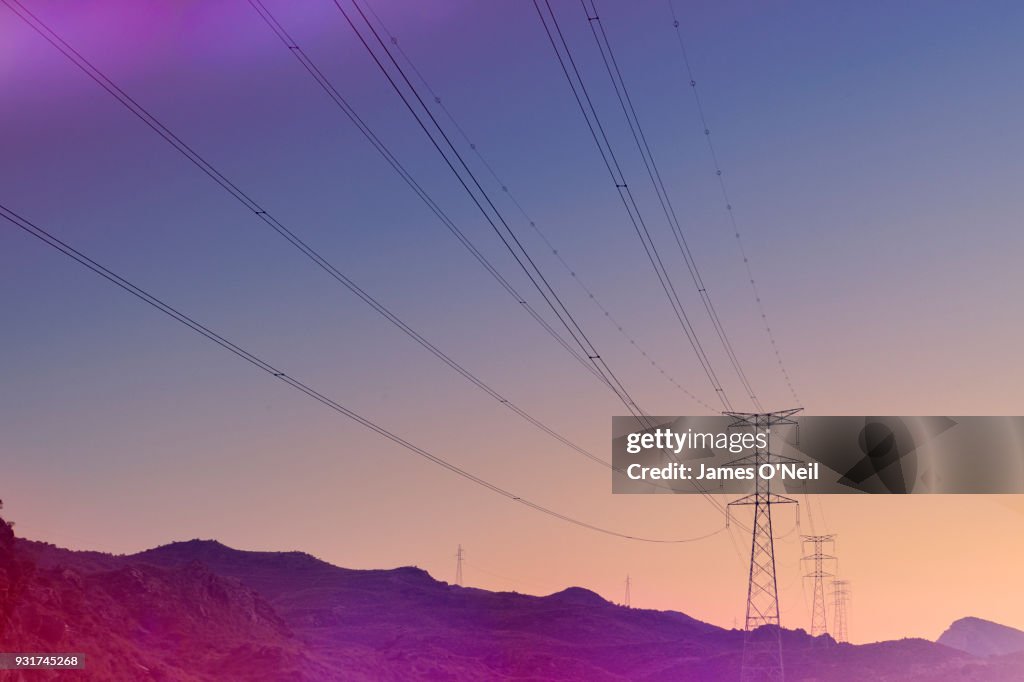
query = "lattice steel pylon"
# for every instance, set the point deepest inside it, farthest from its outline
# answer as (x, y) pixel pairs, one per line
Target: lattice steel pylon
(628, 602)
(458, 566)
(819, 621)
(840, 600)
(762, 643)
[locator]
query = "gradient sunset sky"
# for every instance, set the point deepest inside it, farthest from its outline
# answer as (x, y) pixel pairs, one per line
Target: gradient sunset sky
(873, 152)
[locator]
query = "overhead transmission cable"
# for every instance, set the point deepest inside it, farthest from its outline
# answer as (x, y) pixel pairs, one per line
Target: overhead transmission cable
(729, 208)
(290, 236)
(397, 166)
(468, 180)
(611, 163)
(483, 202)
(100, 78)
(325, 84)
(555, 251)
(84, 260)
(95, 74)
(611, 65)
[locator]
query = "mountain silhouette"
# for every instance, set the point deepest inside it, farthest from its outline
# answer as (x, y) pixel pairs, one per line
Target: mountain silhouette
(200, 610)
(983, 637)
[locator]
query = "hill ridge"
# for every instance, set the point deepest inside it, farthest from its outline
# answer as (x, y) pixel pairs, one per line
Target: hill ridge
(251, 614)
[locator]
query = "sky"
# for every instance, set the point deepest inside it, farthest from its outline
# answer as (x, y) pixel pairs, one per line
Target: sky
(872, 156)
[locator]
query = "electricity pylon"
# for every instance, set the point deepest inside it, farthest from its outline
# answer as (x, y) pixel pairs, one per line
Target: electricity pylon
(627, 591)
(840, 600)
(819, 622)
(762, 642)
(458, 566)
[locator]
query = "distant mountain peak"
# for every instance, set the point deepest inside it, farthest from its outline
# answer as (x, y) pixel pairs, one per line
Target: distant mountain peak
(579, 595)
(412, 571)
(975, 621)
(196, 542)
(194, 546)
(982, 637)
(200, 550)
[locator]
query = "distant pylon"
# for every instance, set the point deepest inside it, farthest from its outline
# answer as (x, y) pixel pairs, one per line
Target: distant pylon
(819, 621)
(458, 566)
(627, 602)
(840, 600)
(762, 642)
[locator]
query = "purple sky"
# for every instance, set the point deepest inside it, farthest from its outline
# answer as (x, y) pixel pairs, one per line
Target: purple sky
(872, 151)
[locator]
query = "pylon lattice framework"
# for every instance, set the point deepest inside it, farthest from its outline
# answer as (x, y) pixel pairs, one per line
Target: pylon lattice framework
(819, 620)
(840, 602)
(458, 566)
(762, 642)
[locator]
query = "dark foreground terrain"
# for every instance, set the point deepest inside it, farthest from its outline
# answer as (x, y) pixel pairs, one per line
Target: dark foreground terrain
(198, 610)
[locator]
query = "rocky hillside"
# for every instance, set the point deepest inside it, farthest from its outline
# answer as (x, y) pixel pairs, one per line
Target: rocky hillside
(983, 637)
(137, 621)
(199, 610)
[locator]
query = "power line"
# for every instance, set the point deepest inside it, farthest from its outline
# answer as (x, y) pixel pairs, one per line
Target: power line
(556, 252)
(76, 255)
(607, 153)
(325, 84)
(664, 199)
(729, 205)
(821, 510)
(291, 237)
(96, 75)
(508, 236)
(332, 92)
